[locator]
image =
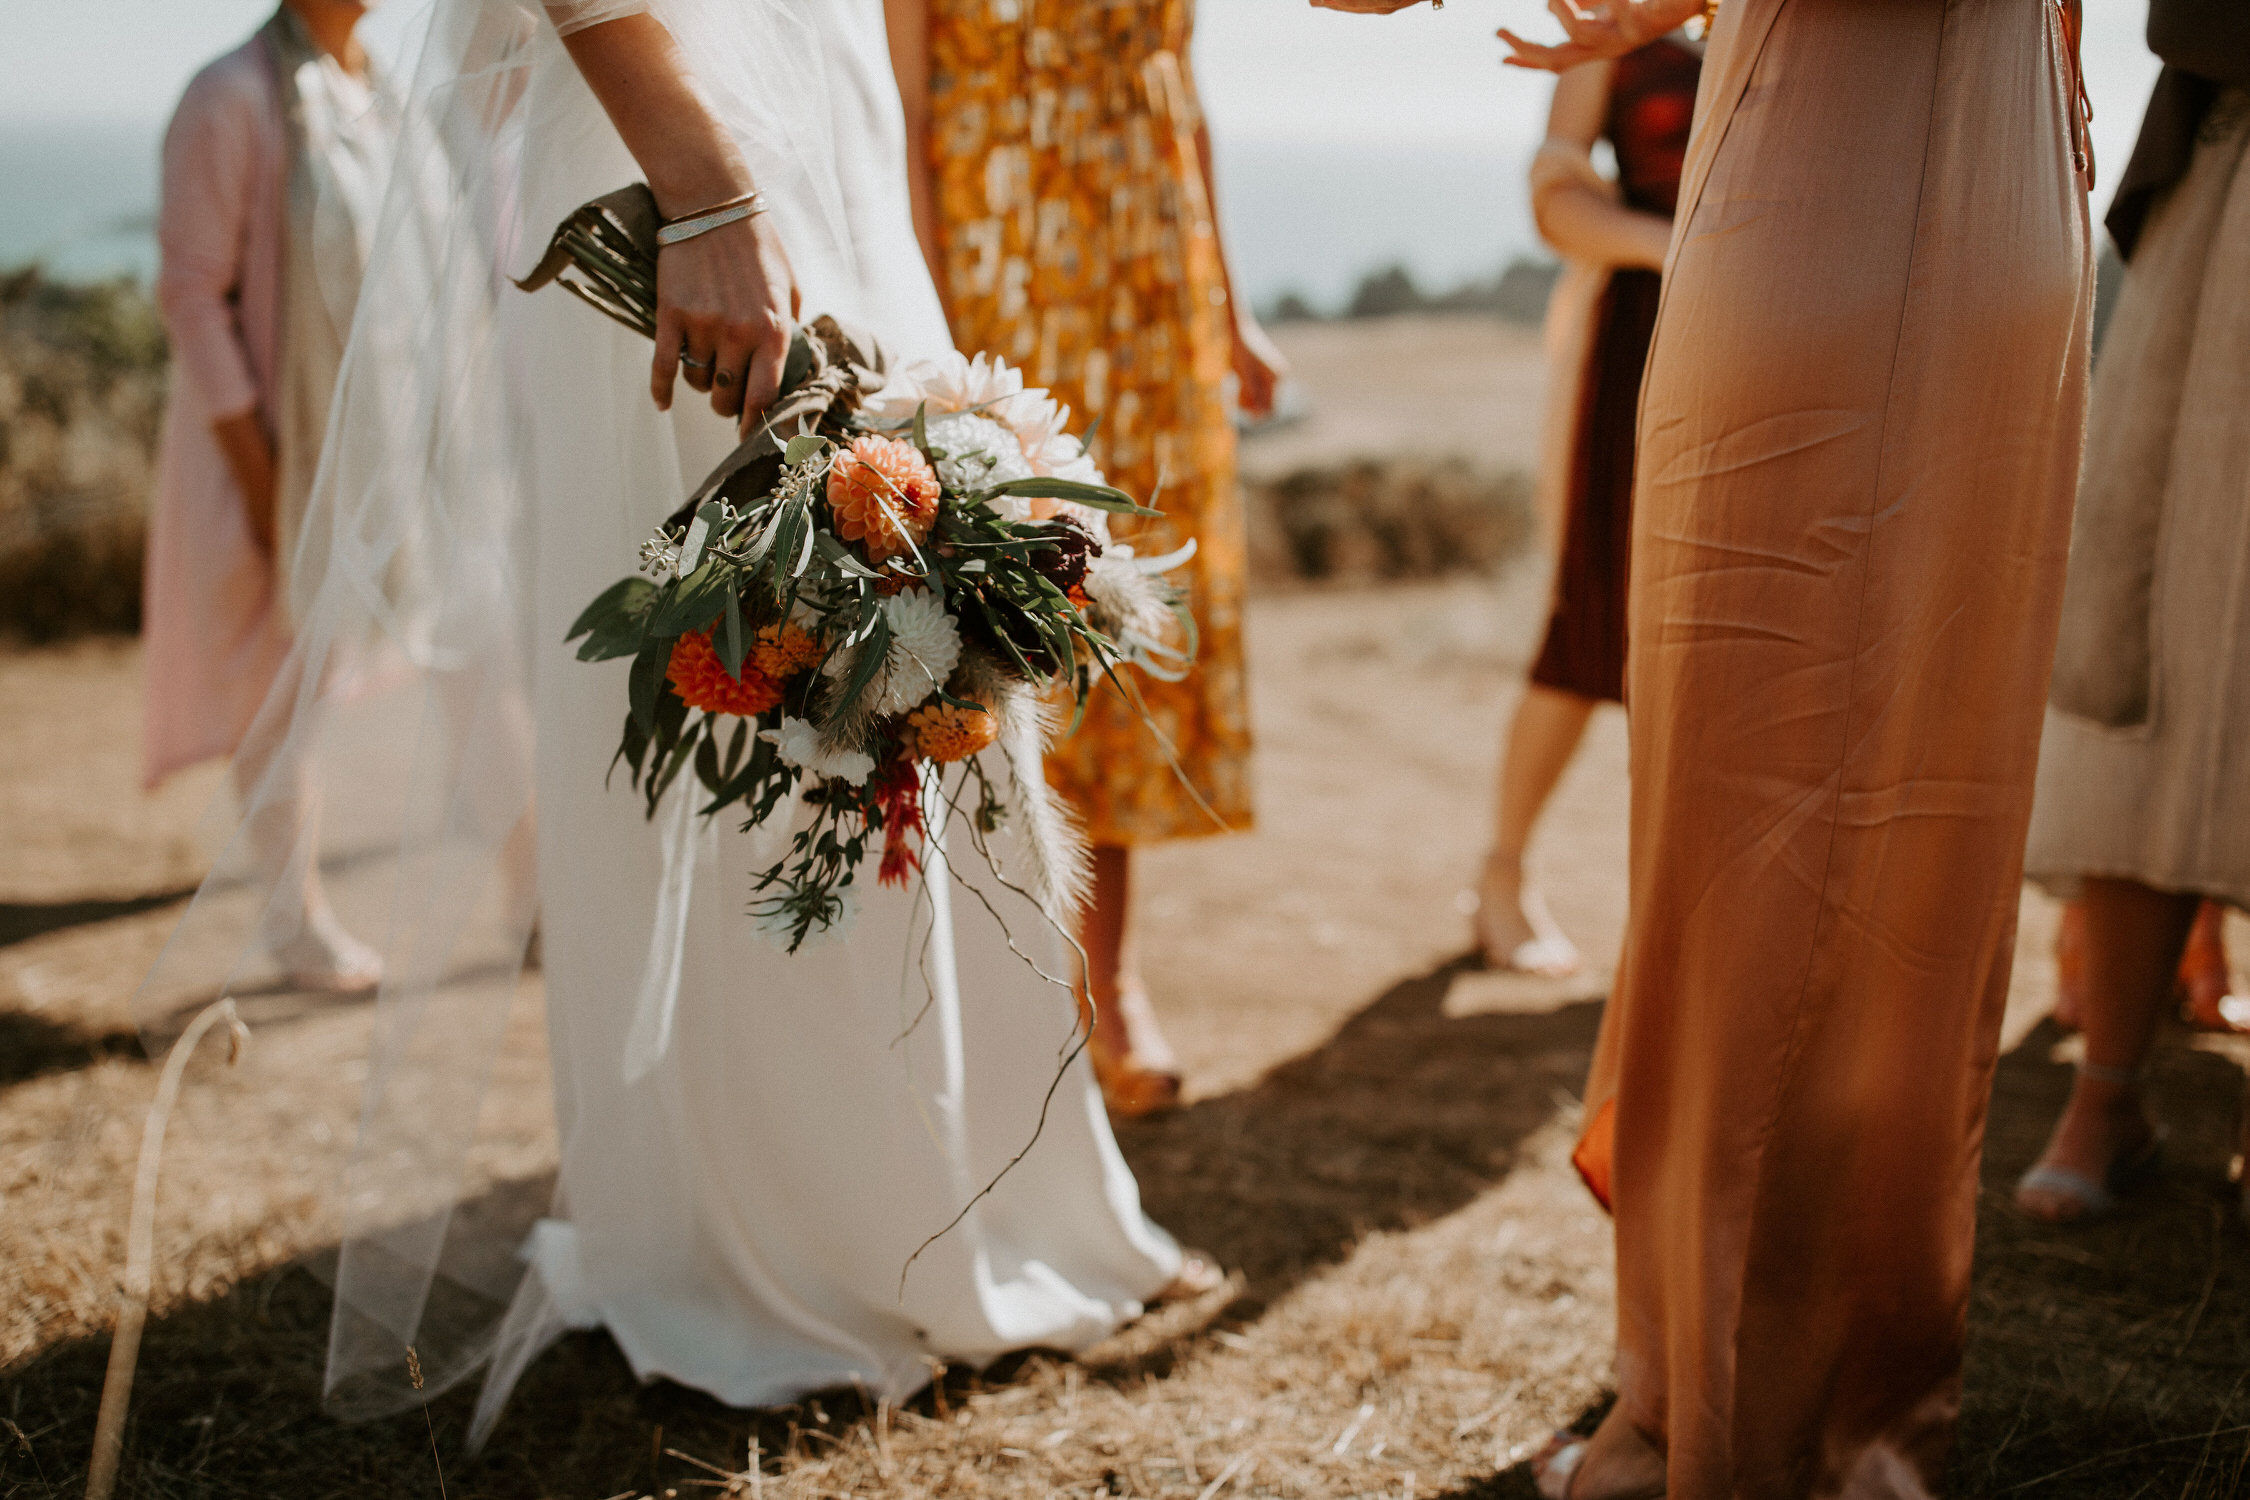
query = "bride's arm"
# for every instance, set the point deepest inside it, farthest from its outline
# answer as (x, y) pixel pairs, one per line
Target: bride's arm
(726, 299)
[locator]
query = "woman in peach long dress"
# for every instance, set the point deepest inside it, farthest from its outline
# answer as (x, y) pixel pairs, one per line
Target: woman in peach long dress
(1859, 437)
(1858, 445)
(1066, 207)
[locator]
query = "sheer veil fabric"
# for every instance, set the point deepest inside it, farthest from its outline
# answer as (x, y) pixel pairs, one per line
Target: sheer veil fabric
(751, 1146)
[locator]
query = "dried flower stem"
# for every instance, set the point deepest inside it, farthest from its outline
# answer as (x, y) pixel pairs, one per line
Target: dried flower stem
(140, 1241)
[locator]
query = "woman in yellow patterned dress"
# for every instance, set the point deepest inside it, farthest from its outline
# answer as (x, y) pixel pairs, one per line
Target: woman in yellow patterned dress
(1062, 192)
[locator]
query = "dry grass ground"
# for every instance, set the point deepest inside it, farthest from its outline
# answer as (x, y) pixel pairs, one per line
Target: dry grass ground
(1376, 1142)
(1375, 1138)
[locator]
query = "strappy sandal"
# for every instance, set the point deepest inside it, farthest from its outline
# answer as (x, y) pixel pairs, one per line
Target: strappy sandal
(2094, 1199)
(1131, 1086)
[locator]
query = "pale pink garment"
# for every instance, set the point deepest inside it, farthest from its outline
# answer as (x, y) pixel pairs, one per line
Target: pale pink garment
(213, 626)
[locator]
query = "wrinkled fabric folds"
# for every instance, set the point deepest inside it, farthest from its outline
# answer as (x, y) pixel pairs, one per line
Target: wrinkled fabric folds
(1859, 433)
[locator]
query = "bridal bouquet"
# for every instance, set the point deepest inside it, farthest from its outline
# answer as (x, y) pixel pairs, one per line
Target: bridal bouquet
(842, 619)
(900, 570)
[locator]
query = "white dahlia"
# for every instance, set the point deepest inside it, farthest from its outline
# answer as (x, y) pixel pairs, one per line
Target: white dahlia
(974, 452)
(798, 744)
(986, 386)
(925, 648)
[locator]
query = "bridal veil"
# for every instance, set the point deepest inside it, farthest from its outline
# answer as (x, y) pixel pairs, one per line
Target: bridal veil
(405, 717)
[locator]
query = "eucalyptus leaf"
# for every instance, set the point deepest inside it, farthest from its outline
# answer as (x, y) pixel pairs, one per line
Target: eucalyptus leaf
(707, 761)
(734, 641)
(865, 665)
(695, 601)
(1098, 496)
(613, 623)
(840, 556)
(698, 533)
(802, 447)
(648, 682)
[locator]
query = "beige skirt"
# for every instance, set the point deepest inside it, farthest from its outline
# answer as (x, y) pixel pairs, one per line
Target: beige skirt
(2144, 771)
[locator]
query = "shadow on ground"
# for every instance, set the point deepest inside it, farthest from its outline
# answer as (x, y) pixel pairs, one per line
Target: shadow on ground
(2109, 1361)
(32, 1046)
(1404, 1116)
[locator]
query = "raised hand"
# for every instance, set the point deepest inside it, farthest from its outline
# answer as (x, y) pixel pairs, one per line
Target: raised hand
(1598, 30)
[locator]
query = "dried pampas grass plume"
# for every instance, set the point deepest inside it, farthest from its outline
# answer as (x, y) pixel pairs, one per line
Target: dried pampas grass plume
(1060, 870)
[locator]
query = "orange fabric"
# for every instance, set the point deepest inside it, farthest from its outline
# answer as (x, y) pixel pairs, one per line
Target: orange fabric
(1858, 449)
(1077, 242)
(1597, 1149)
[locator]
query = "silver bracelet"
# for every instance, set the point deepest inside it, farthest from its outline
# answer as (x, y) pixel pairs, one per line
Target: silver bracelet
(673, 231)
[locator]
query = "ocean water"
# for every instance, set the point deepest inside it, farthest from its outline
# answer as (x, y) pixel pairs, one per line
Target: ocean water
(79, 196)
(81, 199)
(1344, 144)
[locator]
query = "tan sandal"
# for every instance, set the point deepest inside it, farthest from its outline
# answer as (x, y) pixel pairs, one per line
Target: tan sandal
(1132, 1085)
(1199, 1276)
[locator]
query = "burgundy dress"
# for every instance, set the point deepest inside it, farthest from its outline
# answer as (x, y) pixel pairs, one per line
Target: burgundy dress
(1651, 106)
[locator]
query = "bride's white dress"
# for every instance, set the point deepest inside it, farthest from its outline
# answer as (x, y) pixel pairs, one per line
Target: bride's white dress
(743, 1184)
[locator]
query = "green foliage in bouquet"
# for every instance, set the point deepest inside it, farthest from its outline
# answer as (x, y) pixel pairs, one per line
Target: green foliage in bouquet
(856, 604)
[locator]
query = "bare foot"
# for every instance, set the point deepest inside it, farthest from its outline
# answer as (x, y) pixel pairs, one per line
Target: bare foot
(1515, 929)
(2103, 1125)
(323, 957)
(1616, 1463)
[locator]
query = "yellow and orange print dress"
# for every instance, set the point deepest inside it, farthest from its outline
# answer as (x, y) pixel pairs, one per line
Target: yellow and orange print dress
(1076, 242)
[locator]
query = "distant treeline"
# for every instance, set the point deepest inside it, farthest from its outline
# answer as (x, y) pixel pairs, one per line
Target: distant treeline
(1517, 294)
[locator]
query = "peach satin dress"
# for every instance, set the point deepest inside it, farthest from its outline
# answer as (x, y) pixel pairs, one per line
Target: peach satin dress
(1858, 443)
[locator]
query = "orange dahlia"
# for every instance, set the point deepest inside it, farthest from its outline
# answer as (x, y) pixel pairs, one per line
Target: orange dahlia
(943, 733)
(785, 650)
(882, 492)
(702, 680)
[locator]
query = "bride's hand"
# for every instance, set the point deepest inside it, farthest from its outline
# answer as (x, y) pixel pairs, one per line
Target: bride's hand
(1599, 29)
(726, 301)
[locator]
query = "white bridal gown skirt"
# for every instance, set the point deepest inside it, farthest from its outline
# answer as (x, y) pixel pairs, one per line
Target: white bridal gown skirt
(741, 1188)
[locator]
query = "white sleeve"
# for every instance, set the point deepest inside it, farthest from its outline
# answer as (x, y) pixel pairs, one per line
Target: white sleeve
(577, 15)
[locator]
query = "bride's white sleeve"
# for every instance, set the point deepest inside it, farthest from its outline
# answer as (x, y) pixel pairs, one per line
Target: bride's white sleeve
(577, 15)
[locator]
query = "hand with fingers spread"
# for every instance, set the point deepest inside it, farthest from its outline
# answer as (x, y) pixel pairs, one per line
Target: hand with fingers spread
(725, 304)
(1599, 30)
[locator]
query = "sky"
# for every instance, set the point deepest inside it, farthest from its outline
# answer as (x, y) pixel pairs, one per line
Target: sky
(1271, 69)
(1283, 85)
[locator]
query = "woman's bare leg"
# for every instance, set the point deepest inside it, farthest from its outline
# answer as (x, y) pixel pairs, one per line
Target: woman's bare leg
(2134, 937)
(1138, 1070)
(282, 826)
(1513, 926)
